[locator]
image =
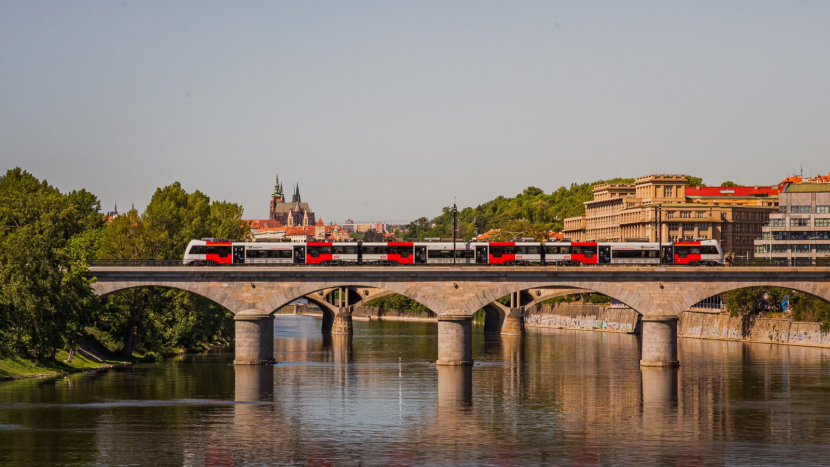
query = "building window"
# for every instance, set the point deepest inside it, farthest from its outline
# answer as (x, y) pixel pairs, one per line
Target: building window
(801, 210)
(801, 248)
(703, 226)
(782, 209)
(685, 214)
(779, 236)
(688, 226)
(800, 235)
(667, 192)
(673, 226)
(799, 222)
(777, 223)
(670, 214)
(761, 248)
(823, 248)
(672, 238)
(780, 248)
(822, 209)
(701, 213)
(822, 222)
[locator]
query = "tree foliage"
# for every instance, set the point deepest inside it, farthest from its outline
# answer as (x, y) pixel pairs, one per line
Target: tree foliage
(157, 319)
(694, 181)
(728, 184)
(532, 213)
(45, 239)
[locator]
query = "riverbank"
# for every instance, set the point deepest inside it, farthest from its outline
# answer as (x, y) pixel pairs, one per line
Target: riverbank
(16, 367)
(583, 317)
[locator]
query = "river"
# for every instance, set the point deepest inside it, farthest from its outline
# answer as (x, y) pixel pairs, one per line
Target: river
(555, 397)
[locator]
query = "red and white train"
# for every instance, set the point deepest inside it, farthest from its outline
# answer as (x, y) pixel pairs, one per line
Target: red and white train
(213, 252)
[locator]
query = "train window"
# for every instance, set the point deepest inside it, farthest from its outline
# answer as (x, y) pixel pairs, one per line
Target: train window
(621, 254)
(198, 250)
(344, 250)
(439, 254)
(527, 250)
(218, 250)
(708, 250)
(558, 250)
(585, 250)
(464, 254)
(405, 252)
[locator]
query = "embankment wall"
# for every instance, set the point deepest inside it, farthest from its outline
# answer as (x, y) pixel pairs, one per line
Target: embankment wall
(588, 316)
(705, 325)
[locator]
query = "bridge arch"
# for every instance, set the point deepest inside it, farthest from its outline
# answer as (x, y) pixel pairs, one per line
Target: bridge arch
(706, 290)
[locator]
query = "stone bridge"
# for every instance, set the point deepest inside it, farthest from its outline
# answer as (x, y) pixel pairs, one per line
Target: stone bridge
(253, 294)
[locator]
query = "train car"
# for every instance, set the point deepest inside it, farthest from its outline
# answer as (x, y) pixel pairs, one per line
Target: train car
(442, 253)
(387, 253)
(210, 251)
(574, 253)
(513, 253)
(634, 253)
(702, 253)
(331, 253)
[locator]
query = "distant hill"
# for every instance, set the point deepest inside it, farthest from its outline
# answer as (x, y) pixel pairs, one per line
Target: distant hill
(531, 213)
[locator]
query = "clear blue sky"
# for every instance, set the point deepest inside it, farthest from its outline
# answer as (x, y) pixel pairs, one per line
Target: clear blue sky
(386, 110)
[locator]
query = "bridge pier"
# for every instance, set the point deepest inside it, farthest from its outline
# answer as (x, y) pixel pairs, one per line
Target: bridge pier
(659, 341)
(254, 340)
(514, 322)
(342, 323)
(455, 340)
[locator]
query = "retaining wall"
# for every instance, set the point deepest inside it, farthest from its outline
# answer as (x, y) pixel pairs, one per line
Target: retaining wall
(370, 313)
(586, 316)
(707, 325)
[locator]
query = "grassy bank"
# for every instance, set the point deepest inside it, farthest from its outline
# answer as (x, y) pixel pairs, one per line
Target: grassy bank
(15, 367)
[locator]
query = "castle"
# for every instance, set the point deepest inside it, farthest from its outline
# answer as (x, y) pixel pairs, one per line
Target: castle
(295, 213)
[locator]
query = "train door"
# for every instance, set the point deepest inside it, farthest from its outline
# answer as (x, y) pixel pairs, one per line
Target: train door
(605, 254)
(420, 255)
(481, 255)
(668, 254)
(238, 254)
(299, 254)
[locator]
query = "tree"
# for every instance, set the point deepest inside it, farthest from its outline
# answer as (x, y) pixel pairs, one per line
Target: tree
(159, 319)
(694, 181)
(45, 239)
(728, 184)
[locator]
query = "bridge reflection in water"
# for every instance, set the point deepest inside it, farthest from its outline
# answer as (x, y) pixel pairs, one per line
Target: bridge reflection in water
(552, 397)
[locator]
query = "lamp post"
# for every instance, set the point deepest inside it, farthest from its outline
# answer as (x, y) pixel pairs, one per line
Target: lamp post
(454, 228)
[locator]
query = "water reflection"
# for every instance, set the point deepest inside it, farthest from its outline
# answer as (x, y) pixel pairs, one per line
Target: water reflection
(554, 397)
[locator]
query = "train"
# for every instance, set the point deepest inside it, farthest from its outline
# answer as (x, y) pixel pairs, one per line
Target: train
(209, 251)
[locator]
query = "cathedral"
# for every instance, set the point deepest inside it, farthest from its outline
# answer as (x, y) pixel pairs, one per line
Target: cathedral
(296, 213)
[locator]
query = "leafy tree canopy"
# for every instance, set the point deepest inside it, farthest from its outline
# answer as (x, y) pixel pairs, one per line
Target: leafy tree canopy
(728, 183)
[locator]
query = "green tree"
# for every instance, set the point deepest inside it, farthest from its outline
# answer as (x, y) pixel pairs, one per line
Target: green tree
(728, 184)
(694, 181)
(45, 239)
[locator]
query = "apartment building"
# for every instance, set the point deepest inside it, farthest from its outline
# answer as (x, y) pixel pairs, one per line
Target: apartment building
(800, 231)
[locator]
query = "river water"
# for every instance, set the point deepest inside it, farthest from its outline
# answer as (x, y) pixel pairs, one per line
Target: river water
(555, 397)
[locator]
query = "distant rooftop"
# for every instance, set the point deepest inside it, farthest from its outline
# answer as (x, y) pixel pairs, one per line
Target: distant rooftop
(807, 188)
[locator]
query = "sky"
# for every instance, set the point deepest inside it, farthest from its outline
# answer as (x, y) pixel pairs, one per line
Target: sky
(388, 110)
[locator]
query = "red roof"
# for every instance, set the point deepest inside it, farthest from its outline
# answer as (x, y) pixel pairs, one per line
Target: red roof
(264, 224)
(711, 191)
(320, 223)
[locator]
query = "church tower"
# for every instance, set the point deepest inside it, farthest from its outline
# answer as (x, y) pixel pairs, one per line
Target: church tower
(276, 198)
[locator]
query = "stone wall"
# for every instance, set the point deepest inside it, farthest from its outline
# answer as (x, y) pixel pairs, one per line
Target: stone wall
(370, 313)
(586, 316)
(707, 325)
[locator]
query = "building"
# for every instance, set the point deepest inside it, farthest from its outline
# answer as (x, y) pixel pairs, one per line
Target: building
(632, 212)
(800, 231)
(295, 213)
